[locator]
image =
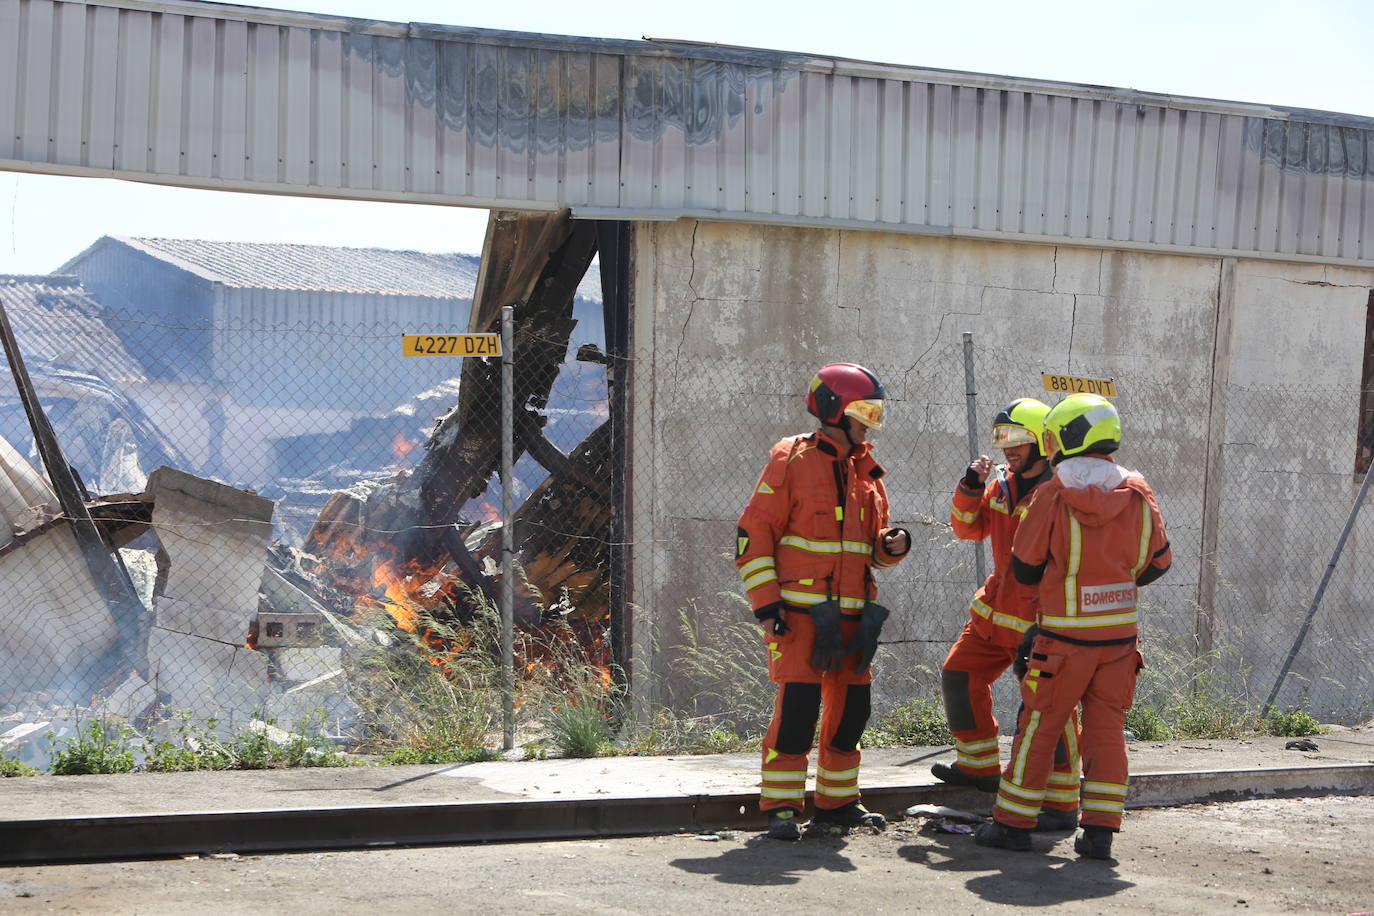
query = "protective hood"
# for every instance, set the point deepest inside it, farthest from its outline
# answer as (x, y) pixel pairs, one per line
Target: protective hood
(1097, 489)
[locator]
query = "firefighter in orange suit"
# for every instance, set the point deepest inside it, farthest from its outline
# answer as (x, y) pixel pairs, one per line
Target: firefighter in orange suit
(990, 503)
(813, 531)
(1092, 537)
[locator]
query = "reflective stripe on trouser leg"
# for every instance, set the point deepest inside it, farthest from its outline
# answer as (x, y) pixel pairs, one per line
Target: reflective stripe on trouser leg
(1025, 781)
(1105, 764)
(970, 668)
(787, 746)
(1062, 791)
(846, 709)
(977, 756)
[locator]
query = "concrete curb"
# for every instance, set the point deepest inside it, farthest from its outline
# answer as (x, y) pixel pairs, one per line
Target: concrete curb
(84, 838)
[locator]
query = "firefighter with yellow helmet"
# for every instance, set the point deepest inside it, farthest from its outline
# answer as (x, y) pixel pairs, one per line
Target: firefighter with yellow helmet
(814, 529)
(989, 503)
(1090, 539)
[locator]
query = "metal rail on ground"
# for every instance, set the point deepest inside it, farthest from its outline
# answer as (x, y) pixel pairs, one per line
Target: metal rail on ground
(86, 838)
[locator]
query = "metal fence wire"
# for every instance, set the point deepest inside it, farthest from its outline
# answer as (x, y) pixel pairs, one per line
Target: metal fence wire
(281, 529)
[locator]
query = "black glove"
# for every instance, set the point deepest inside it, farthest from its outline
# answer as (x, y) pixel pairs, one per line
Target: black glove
(908, 542)
(971, 481)
(770, 615)
(828, 653)
(866, 636)
(1023, 651)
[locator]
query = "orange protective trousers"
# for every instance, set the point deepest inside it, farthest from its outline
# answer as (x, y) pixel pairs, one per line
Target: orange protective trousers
(974, 663)
(1063, 675)
(803, 691)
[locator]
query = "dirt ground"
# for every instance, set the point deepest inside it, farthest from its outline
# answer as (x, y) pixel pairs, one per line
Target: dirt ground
(1262, 856)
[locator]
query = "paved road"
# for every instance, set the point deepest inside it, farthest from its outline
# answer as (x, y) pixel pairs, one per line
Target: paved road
(1262, 856)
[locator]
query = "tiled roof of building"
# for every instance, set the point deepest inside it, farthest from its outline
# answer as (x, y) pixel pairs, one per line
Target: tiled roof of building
(264, 265)
(55, 318)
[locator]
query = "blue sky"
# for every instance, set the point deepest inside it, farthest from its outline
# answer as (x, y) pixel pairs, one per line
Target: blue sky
(1316, 54)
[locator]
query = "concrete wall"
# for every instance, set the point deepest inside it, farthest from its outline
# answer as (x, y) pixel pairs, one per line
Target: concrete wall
(731, 321)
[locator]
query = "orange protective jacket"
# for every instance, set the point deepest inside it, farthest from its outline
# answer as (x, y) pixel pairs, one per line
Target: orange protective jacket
(813, 528)
(1002, 609)
(1091, 536)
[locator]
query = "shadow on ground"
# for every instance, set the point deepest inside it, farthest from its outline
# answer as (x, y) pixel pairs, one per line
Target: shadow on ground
(1040, 877)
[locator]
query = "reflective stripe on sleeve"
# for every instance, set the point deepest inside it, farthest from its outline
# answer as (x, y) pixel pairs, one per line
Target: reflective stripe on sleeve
(825, 547)
(984, 610)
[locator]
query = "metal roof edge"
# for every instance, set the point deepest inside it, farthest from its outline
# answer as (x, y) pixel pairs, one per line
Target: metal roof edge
(241, 13)
(738, 54)
(143, 245)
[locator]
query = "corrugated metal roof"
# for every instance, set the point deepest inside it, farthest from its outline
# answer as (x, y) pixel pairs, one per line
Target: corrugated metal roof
(55, 319)
(319, 267)
(219, 96)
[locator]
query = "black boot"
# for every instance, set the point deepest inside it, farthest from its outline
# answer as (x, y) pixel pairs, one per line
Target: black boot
(783, 824)
(995, 833)
(850, 815)
(957, 777)
(1094, 842)
(1052, 819)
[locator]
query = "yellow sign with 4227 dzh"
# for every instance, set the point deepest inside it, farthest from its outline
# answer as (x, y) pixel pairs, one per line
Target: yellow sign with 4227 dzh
(451, 344)
(1076, 384)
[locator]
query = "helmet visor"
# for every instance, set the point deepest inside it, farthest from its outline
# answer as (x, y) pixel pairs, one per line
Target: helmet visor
(868, 412)
(1011, 436)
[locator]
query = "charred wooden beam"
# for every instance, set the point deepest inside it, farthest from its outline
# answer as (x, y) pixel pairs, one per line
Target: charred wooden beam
(529, 435)
(562, 532)
(466, 447)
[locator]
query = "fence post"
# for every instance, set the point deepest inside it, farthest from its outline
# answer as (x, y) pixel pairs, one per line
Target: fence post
(971, 396)
(507, 528)
(1321, 589)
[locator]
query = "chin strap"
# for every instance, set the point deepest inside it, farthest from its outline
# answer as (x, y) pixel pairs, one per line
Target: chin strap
(847, 424)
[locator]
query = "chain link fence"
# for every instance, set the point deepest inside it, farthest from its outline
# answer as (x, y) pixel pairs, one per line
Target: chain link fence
(296, 556)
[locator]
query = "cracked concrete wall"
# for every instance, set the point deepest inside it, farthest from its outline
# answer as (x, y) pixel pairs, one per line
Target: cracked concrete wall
(1288, 456)
(731, 321)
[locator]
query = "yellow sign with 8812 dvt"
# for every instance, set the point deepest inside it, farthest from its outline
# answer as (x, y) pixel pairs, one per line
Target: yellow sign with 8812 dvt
(1075, 384)
(451, 344)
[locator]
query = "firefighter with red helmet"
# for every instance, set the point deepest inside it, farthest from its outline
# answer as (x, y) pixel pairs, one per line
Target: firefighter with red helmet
(989, 502)
(1092, 537)
(813, 531)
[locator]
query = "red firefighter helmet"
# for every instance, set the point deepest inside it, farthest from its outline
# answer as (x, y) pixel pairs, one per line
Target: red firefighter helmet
(846, 390)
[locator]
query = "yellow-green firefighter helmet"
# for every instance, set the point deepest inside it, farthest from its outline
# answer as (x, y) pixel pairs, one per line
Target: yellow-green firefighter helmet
(1019, 423)
(1082, 424)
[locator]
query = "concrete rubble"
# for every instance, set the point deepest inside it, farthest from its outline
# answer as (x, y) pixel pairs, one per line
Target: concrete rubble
(202, 576)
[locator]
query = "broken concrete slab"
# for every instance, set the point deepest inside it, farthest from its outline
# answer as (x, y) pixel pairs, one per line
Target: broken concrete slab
(207, 678)
(301, 665)
(55, 625)
(216, 537)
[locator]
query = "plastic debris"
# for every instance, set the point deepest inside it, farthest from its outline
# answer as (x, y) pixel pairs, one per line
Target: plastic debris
(953, 814)
(947, 826)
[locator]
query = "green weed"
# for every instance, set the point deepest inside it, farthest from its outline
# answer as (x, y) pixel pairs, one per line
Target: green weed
(669, 732)
(188, 747)
(1291, 724)
(918, 722)
(11, 767)
(256, 748)
(434, 695)
(100, 746)
(720, 667)
(410, 755)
